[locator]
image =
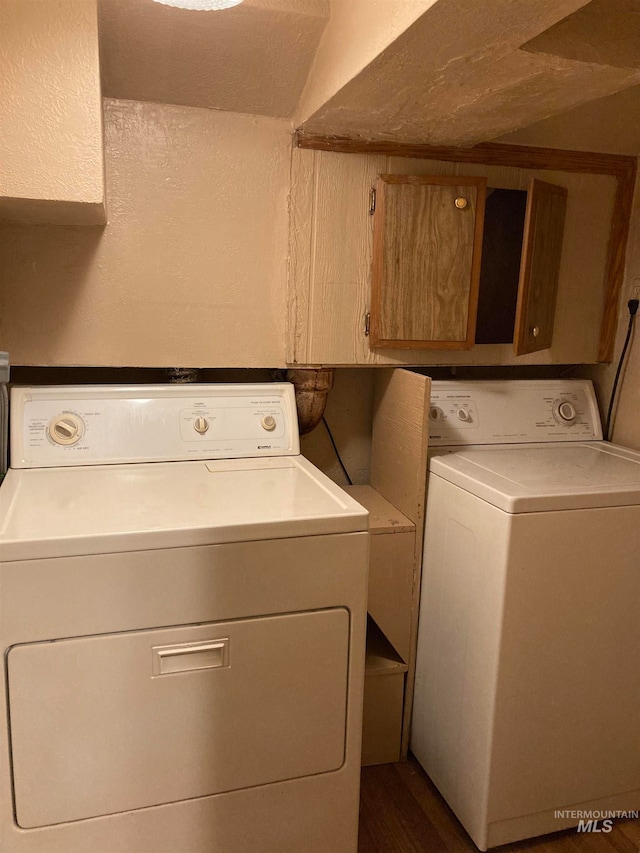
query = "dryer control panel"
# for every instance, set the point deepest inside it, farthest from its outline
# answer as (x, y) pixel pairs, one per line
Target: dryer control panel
(513, 412)
(106, 424)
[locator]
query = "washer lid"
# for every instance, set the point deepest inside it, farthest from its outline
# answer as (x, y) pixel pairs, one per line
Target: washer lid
(58, 512)
(544, 477)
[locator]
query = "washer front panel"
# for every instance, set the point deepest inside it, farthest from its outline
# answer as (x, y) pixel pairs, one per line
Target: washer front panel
(512, 412)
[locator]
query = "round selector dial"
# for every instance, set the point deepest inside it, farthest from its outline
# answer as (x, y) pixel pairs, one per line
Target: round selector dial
(268, 422)
(464, 415)
(565, 411)
(201, 425)
(436, 413)
(66, 429)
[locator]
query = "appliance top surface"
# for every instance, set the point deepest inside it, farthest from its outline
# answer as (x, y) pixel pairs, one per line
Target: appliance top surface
(104, 468)
(529, 445)
(76, 511)
(544, 477)
(59, 426)
(512, 412)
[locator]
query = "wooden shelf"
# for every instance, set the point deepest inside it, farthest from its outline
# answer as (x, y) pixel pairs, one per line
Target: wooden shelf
(391, 561)
(384, 677)
(383, 516)
(381, 658)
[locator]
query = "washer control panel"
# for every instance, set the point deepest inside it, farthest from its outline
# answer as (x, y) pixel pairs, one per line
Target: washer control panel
(91, 425)
(512, 411)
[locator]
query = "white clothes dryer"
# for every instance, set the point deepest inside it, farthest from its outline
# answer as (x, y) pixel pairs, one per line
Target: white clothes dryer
(527, 697)
(182, 620)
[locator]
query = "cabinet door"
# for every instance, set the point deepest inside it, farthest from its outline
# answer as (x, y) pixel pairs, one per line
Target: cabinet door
(426, 261)
(540, 267)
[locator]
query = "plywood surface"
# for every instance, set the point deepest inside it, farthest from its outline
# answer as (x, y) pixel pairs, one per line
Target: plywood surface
(380, 658)
(301, 253)
(540, 267)
(382, 717)
(383, 516)
(425, 271)
(399, 443)
(340, 262)
(336, 270)
(398, 471)
(390, 597)
(391, 568)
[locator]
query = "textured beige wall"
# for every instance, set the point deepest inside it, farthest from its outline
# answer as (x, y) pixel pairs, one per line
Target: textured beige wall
(50, 106)
(349, 414)
(191, 269)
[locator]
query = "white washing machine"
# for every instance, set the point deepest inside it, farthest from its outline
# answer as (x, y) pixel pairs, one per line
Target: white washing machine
(182, 619)
(527, 696)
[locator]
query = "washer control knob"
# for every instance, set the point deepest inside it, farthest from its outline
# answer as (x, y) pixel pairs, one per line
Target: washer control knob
(268, 422)
(66, 429)
(201, 425)
(566, 411)
(436, 413)
(464, 415)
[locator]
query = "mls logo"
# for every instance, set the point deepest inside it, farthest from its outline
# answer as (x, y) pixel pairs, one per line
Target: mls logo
(595, 826)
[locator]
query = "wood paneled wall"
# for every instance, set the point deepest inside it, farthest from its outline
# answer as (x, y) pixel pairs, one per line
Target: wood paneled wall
(331, 254)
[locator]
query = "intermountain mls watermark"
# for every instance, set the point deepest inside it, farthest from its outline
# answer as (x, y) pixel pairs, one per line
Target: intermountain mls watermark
(594, 820)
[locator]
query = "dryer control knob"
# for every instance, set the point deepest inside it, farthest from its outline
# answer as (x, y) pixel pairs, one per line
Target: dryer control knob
(566, 411)
(201, 425)
(464, 415)
(66, 429)
(268, 422)
(436, 413)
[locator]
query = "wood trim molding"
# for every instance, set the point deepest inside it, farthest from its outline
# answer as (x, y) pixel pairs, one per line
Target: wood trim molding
(486, 153)
(616, 257)
(620, 166)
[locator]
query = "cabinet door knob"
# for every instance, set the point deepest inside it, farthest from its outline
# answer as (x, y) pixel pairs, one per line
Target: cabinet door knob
(461, 202)
(535, 331)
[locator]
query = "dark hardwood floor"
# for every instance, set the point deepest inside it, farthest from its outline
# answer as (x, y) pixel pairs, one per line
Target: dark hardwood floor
(402, 812)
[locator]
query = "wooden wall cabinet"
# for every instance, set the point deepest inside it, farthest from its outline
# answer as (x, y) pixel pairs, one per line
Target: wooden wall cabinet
(428, 271)
(332, 251)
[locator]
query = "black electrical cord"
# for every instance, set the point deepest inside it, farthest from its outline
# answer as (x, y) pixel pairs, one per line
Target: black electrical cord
(632, 305)
(346, 473)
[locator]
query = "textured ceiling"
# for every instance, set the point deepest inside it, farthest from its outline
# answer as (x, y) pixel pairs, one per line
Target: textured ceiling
(458, 76)
(560, 73)
(609, 124)
(253, 58)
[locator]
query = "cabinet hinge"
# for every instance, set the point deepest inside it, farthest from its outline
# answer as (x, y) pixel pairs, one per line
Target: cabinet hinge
(372, 201)
(367, 324)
